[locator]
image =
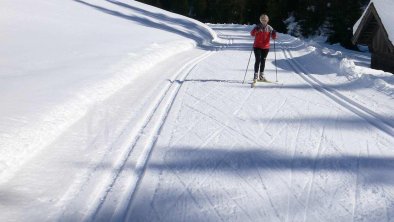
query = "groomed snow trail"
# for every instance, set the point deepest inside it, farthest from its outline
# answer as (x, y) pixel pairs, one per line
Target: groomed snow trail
(90, 159)
(187, 141)
(300, 150)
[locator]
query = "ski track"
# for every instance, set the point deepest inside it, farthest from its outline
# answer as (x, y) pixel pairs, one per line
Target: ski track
(315, 160)
(117, 189)
(385, 194)
(356, 189)
(199, 100)
(265, 188)
(186, 186)
(370, 116)
(224, 126)
(294, 147)
(147, 133)
(270, 199)
(308, 188)
(142, 160)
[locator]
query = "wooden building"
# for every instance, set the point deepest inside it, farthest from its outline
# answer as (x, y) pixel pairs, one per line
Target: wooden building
(371, 31)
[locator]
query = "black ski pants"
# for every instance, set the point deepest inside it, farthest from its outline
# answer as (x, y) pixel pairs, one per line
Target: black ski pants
(260, 55)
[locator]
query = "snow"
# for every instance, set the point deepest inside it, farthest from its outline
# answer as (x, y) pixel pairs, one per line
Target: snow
(70, 63)
(292, 26)
(119, 111)
(384, 9)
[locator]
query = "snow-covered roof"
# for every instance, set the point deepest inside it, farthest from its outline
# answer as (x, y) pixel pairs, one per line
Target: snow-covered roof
(385, 10)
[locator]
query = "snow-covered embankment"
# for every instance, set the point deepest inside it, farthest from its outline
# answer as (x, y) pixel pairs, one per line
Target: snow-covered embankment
(59, 59)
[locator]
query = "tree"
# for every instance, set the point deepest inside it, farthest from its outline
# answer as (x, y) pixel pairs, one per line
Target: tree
(253, 10)
(199, 10)
(333, 18)
(179, 6)
(344, 15)
(278, 11)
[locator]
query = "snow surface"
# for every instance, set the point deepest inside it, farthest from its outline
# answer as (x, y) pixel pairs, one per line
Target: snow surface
(119, 111)
(385, 10)
(58, 62)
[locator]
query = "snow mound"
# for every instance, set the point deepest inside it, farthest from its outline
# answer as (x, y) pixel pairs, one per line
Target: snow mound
(345, 63)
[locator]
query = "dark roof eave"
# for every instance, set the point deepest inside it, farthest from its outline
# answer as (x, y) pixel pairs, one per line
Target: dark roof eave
(364, 19)
(363, 37)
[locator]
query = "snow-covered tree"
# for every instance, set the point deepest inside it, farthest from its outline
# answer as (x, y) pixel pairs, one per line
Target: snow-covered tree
(292, 26)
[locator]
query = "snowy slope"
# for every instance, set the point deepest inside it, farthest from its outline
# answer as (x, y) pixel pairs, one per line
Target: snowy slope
(118, 111)
(59, 58)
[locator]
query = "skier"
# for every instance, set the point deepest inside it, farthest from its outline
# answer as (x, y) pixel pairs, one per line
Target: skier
(262, 33)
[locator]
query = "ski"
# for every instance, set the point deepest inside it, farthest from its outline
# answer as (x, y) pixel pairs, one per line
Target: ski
(254, 82)
(267, 81)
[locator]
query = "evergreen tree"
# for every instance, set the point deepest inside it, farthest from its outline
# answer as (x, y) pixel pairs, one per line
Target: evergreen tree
(199, 10)
(333, 18)
(345, 13)
(253, 10)
(292, 26)
(179, 6)
(278, 11)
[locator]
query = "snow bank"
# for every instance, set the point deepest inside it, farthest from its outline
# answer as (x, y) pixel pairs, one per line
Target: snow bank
(21, 143)
(345, 63)
(380, 80)
(59, 59)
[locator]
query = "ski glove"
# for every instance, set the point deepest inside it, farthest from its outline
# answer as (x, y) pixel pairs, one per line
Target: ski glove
(273, 34)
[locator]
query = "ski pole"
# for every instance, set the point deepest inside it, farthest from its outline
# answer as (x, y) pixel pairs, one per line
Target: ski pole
(276, 67)
(247, 65)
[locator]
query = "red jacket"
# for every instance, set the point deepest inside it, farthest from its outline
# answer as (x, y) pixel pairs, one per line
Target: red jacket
(262, 36)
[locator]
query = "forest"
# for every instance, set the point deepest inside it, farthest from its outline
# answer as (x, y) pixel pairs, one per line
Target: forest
(333, 19)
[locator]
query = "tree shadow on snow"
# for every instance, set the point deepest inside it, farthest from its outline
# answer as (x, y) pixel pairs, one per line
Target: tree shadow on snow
(227, 160)
(201, 166)
(353, 123)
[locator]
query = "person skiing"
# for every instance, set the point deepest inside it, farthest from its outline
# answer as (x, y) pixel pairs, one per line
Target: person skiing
(261, 46)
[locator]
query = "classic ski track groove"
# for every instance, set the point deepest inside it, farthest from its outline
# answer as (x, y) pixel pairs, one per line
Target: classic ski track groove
(144, 158)
(168, 95)
(371, 117)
